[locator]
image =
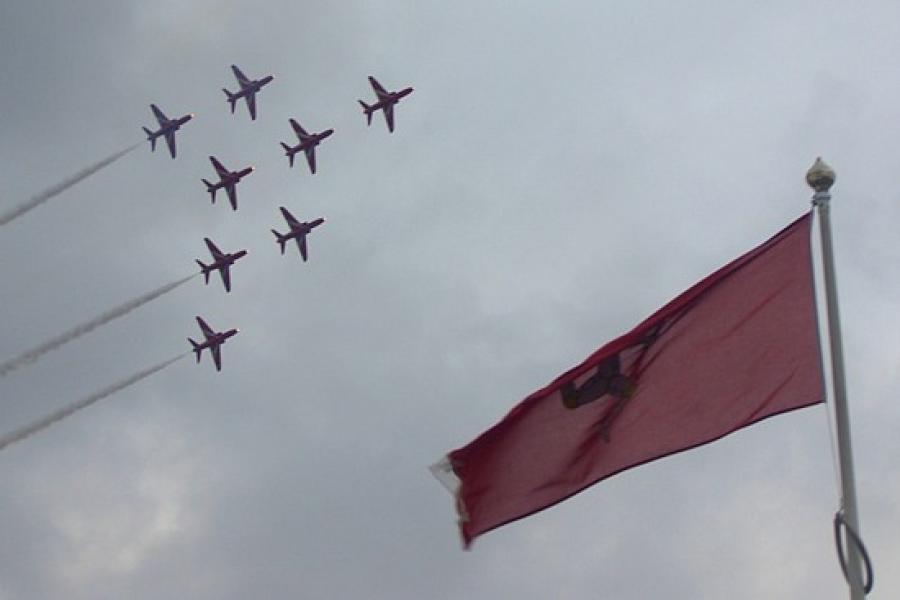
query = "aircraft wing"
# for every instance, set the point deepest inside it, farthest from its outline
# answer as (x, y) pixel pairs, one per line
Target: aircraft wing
(231, 190)
(311, 158)
(170, 140)
(379, 89)
(298, 129)
(226, 277)
(251, 104)
(242, 79)
(292, 221)
(301, 243)
(219, 167)
(206, 329)
(213, 249)
(389, 116)
(161, 118)
(217, 356)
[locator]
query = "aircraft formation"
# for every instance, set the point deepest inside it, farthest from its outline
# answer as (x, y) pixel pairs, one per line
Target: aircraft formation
(297, 230)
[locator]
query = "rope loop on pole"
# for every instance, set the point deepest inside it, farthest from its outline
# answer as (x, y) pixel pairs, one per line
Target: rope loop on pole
(852, 536)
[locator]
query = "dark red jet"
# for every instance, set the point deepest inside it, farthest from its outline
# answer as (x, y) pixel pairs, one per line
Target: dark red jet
(248, 90)
(298, 232)
(214, 339)
(308, 143)
(221, 262)
(227, 179)
(386, 102)
(167, 128)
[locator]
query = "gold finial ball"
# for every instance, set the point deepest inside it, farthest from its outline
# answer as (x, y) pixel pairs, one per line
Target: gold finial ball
(820, 176)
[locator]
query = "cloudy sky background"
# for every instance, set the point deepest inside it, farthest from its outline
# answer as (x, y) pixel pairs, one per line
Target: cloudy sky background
(558, 174)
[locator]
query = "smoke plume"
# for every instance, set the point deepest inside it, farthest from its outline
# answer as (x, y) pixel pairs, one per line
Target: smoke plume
(56, 416)
(59, 188)
(76, 332)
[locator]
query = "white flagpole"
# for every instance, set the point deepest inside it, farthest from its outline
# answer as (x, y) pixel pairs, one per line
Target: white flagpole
(820, 177)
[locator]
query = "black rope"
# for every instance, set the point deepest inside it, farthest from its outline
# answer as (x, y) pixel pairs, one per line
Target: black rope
(842, 558)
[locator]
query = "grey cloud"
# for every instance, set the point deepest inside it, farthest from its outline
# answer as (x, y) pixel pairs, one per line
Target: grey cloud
(559, 173)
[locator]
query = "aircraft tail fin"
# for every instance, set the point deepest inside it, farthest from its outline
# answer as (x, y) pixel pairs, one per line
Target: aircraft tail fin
(288, 153)
(197, 348)
(368, 110)
(282, 240)
(211, 189)
(151, 138)
(205, 269)
(232, 99)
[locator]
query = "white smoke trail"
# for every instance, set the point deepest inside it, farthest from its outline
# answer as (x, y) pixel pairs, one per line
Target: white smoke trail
(63, 186)
(121, 310)
(56, 416)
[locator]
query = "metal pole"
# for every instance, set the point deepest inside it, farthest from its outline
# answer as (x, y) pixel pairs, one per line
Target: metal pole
(820, 177)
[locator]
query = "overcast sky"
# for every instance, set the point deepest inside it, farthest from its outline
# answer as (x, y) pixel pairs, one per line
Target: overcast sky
(559, 173)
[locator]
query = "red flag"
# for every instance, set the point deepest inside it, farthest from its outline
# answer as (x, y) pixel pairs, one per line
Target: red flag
(737, 347)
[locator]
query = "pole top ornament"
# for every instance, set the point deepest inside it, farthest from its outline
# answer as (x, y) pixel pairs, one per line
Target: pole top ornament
(820, 176)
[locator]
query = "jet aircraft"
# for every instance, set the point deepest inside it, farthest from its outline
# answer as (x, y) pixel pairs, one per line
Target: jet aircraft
(386, 102)
(221, 263)
(227, 179)
(213, 341)
(308, 143)
(248, 90)
(167, 128)
(298, 232)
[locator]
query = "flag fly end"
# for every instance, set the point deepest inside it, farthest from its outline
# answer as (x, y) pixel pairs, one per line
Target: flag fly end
(446, 476)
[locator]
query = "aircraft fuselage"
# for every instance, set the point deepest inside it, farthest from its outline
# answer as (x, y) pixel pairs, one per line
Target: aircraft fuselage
(171, 126)
(392, 98)
(254, 86)
(231, 178)
(298, 231)
(227, 260)
(312, 141)
(217, 339)
(304, 228)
